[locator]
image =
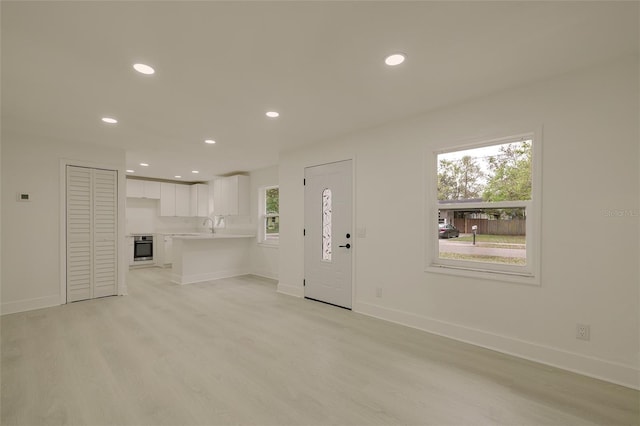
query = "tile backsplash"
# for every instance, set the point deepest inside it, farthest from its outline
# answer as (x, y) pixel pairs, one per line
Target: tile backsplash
(142, 217)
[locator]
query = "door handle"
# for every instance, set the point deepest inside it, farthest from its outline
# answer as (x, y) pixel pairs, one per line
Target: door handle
(346, 245)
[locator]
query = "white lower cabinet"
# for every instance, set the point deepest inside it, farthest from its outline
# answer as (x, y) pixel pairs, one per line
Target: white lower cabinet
(164, 250)
(130, 250)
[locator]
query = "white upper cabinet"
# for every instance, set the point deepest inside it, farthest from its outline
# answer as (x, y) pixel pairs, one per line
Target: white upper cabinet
(219, 202)
(231, 196)
(167, 199)
(152, 190)
(175, 199)
(143, 189)
(199, 200)
(183, 200)
(135, 188)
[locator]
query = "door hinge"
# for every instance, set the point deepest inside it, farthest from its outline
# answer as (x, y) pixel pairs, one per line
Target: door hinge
(304, 181)
(304, 232)
(304, 283)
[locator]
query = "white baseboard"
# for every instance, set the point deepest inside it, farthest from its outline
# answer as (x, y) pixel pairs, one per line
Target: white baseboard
(264, 278)
(210, 276)
(265, 274)
(624, 375)
(30, 304)
(290, 290)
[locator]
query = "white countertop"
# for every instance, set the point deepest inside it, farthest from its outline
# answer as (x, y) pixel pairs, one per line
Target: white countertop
(194, 235)
(208, 236)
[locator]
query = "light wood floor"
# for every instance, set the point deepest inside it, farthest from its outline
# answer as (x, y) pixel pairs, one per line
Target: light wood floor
(236, 352)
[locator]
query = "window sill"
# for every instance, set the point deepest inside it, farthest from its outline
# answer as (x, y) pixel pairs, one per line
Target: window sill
(269, 244)
(484, 274)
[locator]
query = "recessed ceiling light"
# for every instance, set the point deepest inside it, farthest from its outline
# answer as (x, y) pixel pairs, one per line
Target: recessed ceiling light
(144, 69)
(130, 171)
(177, 176)
(395, 59)
(210, 141)
(109, 120)
(144, 164)
(194, 171)
(272, 114)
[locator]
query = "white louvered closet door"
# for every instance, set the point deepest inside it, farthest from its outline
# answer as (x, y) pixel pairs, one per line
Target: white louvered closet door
(104, 232)
(91, 233)
(79, 233)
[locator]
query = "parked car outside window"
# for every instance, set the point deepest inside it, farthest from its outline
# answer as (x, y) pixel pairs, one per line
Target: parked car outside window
(447, 231)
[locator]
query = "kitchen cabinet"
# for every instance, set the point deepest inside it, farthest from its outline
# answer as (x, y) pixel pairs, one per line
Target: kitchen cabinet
(164, 250)
(151, 190)
(199, 200)
(219, 203)
(183, 202)
(143, 189)
(198, 258)
(130, 250)
(174, 199)
(167, 199)
(135, 188)
(231, 196)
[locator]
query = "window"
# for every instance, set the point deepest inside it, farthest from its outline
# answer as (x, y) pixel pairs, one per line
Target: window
(326, 225)
(270, 214)
(484, 213)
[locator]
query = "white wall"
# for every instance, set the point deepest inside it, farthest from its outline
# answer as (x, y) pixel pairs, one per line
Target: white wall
(1, 210)
(264, 258)
(31, 230)
(590, 164)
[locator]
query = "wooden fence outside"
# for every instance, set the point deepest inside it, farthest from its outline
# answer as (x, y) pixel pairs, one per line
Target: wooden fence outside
(492, 227)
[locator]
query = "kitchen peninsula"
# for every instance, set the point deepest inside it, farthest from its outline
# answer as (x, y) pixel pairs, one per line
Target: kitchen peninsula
(206, 257)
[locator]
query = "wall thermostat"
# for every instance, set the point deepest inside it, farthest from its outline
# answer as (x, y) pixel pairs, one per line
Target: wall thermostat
(23, 196)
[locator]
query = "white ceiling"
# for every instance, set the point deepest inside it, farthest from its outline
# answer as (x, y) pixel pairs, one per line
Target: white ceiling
(221, 65)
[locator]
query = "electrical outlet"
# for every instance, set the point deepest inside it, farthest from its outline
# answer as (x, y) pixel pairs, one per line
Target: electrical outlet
(378, 291)
(23, 196)
(583, 332)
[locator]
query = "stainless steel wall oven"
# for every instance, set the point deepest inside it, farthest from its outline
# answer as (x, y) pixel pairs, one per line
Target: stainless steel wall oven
(142, 247)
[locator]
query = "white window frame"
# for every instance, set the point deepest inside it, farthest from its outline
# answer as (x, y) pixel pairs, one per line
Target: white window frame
(526, 274)
(262, 218)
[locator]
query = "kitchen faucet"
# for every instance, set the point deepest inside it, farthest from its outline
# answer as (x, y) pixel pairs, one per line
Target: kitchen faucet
(205, 222)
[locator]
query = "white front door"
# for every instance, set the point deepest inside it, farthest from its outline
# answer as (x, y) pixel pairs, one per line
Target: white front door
(328, 234)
